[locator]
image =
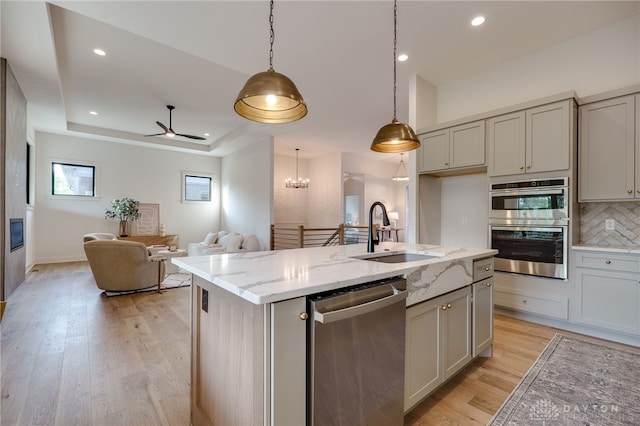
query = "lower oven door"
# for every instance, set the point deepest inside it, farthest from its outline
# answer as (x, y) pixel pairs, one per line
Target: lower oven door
(531, 250)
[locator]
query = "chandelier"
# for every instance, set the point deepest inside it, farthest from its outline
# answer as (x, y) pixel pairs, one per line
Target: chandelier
(298, 182)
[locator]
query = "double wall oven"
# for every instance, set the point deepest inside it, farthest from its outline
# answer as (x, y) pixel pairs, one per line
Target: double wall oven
(529, 222)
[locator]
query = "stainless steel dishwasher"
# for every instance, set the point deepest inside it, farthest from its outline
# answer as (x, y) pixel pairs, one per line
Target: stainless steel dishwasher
(356, 355)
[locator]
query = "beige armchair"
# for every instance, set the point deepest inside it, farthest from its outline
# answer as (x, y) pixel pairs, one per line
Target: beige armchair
(123, 265)
(98, 236)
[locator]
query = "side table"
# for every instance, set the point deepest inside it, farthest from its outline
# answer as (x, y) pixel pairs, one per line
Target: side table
(170, 268)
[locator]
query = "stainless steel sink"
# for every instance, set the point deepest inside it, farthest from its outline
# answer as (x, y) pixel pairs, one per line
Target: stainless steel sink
(398, 257)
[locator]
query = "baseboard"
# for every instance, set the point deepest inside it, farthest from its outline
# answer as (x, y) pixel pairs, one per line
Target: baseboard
(64, 259)
(2, 306)
(626, 339)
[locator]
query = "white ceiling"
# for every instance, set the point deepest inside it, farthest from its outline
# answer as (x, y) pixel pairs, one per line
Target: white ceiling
(197, 56)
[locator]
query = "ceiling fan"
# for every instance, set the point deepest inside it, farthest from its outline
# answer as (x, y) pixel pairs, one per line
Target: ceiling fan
(168, 131)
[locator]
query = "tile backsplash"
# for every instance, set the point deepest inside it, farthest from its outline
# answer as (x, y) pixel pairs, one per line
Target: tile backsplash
(626, 218)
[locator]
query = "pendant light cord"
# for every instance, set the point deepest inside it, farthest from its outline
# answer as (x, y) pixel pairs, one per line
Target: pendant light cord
(395, 42)
(271, 37)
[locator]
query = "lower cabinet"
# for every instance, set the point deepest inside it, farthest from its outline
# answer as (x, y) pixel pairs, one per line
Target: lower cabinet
(438, 343)
(607, 291)
(482, 316)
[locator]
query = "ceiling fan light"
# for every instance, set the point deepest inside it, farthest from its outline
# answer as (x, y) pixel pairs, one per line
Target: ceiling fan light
(270, 97)
(395, 137)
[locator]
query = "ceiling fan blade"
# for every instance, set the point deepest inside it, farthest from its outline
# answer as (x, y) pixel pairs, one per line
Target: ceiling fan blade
(163, 126)
(157, 134)
(200, 138)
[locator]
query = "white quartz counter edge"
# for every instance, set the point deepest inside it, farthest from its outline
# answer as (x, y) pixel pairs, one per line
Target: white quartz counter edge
(610, 249)
(272, 276)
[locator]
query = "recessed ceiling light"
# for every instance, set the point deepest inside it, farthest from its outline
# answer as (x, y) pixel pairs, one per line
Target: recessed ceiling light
(478, 20)
(207, 134)
(93, 113)
(99, 52)
(403, 57)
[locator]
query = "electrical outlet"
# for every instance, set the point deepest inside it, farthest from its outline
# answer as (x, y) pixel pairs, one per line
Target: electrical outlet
(610, 225)
(205, 300)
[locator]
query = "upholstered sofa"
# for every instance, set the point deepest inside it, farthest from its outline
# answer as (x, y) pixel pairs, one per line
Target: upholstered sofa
(119, 265)
(224, 242)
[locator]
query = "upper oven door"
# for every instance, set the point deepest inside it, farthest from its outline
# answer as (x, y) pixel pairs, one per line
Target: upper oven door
(531, 204)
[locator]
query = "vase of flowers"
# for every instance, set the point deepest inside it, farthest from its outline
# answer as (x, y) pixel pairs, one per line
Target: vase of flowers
(124, 209)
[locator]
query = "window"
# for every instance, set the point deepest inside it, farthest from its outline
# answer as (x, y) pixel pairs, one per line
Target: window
(73, 179)
(197, 187)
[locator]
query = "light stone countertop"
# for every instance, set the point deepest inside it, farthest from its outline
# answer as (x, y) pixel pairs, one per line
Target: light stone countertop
(272, 276)
(611, 249)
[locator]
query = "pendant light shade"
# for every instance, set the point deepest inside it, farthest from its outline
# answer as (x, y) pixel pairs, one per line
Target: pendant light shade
(396, 136)
(270, 97)
(401, 172)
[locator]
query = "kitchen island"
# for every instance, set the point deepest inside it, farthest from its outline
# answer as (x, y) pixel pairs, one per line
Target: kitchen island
(249, 320)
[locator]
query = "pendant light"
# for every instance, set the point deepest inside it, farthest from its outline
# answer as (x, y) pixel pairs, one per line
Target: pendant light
(270, 97)
(401, 171)
(299, 182)
(396, 136)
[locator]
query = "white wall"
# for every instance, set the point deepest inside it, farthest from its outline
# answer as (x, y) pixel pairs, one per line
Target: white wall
(289, 205)
(325, 192)
(602, 60)
(247, 190)
(465, 208)
(148, 175)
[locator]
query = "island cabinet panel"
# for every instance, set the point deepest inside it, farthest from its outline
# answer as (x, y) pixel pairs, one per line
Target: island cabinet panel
(438, 343)
(288, 362)
(228, 353)
(482, 316)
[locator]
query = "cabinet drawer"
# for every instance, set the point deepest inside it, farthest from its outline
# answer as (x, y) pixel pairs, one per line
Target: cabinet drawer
(607, 261)
(551, 307)
(482, 268)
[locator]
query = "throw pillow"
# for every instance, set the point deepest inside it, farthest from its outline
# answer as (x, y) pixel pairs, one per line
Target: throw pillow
(235, 240)
(211, 238)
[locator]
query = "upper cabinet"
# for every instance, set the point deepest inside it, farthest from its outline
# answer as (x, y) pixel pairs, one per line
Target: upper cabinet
(608, 149)
(530, 141)
(453, 148)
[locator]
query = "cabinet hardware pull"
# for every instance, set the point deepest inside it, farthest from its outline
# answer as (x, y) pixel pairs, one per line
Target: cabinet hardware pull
(448, 305)
(303, 316)
(488, 284)
(521, 167)
(629, 191)
(444, 307)
(529, 166)
(446, 164)
(608, 262)
(524, 300)
(486, 269)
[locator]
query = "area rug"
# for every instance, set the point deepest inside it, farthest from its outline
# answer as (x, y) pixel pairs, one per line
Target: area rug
(176, 280)
(575, 382)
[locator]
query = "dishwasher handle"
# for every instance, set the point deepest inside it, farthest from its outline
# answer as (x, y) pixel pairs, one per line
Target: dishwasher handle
(365, 308)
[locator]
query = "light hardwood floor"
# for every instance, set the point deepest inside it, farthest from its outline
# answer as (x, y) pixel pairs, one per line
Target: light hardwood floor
(71, 356)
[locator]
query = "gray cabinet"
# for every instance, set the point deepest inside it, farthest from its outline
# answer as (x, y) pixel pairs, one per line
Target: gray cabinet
(608, 149)
(438, 343)
(453, 148)
(482, 332)
(607, 290)
(531, 141)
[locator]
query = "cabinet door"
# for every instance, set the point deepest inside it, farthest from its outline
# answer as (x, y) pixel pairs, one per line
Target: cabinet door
(548, 137)
(482, 316)
(456, 331)
(467, 146)
(606, 149)
(506, 135)
(608, 299)
(422, 354)
(435, 150)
